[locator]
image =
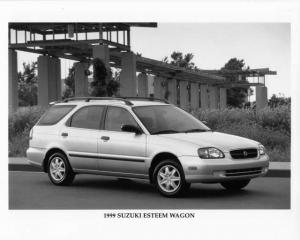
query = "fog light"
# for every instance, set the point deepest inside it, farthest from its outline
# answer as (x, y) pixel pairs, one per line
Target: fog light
(219, 173)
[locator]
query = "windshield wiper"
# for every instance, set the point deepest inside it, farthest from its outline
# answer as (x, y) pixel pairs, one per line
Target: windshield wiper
(165, 132)
(196, 130)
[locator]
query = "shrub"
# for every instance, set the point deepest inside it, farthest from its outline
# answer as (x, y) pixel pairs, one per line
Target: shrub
(24, 117)
(278, 119)
(270, 126)
(19, 125)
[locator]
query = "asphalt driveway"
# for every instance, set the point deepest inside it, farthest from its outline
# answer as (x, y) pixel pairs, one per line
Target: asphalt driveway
(33, 190)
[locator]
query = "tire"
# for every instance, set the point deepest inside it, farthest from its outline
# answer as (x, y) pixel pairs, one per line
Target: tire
(235, 185)
(59, 170)
(169, 179)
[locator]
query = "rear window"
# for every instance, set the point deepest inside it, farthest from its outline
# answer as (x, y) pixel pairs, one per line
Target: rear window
(55, 114)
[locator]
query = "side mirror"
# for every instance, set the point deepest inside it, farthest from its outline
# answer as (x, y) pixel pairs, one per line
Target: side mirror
(204, 122)
(131, 128)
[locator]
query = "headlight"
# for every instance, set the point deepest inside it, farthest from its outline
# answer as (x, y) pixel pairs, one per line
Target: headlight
(210, 152)
(261, 150)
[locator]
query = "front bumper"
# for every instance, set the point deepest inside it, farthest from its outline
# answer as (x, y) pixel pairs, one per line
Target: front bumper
(225, 169)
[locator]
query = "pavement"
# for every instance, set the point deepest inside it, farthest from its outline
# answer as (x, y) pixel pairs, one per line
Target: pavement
(277, 169)
(33, 190)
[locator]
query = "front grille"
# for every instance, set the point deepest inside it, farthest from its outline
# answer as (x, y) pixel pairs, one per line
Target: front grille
(242, 172)
(244, 153)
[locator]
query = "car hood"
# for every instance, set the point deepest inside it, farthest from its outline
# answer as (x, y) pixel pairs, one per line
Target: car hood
(224, 142)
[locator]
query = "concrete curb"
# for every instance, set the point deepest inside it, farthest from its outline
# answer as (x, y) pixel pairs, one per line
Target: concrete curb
(277, 169)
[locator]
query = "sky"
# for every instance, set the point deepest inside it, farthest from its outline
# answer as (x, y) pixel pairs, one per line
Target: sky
(213, 44)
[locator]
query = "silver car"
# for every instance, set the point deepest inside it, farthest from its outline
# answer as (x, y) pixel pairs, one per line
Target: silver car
(140, 138)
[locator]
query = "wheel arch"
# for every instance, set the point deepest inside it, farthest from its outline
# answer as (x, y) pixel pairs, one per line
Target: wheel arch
(49, 153)
(157, 159)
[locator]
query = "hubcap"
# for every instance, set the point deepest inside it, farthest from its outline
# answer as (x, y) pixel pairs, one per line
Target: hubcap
(57, 169)
(168, 178)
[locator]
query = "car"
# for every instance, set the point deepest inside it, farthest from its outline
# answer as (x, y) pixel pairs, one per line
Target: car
(140, 138)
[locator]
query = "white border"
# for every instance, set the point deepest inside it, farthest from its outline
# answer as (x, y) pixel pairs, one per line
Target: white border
(209, 224)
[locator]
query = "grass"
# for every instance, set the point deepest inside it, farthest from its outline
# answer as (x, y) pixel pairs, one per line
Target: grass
(271, 127)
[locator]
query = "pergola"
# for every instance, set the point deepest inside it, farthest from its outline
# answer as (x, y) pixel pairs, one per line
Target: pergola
(84, 41)
(75, 41)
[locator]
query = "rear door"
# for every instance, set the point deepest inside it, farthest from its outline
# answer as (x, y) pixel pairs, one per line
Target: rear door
(81, 137)
(121, 152)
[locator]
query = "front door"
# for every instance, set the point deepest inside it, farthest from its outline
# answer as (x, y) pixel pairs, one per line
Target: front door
(121, 152)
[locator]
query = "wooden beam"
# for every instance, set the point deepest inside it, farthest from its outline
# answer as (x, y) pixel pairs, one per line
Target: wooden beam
(128, 37)
(67, 43)
(9, 36)
(59, 55)
(100, 31)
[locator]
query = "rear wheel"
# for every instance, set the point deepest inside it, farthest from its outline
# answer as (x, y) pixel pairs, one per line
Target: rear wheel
(59, 169)
(235, 185)
(169, 179)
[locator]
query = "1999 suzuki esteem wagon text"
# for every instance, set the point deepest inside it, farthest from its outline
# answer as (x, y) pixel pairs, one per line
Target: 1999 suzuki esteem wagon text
(140, 138)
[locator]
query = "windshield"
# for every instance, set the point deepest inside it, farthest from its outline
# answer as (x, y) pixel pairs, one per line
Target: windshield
(168, 119)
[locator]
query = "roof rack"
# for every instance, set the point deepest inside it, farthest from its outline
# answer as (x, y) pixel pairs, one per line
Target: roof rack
(147, 99)
(87, 99)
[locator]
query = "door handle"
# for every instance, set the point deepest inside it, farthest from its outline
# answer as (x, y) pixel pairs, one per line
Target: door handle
(64, 134)
(105, 138)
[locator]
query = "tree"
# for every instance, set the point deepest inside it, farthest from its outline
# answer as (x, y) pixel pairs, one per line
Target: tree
(99, 83)
(276, 101)
(113, 85)
(27, 85)
(236, 96)
(69, 83)
(105, 82)
(180, 60)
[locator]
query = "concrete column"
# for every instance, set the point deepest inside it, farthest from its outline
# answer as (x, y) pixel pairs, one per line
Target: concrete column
(184, 104)
(150, 79)
(204, 97)
(158, 87)
(143, 85)
(102, 52)
(194, 95)
(213, 97)
(223, 98)
(128, 79)
(81, 80)
(172, 89)
(261, 97)
(49, 80)
(13, 80)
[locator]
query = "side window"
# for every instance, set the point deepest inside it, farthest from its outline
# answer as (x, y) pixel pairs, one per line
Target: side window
(55, 114)
(117, 117)
(87, 117)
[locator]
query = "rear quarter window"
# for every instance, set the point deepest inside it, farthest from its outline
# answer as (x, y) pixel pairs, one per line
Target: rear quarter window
(55, 114)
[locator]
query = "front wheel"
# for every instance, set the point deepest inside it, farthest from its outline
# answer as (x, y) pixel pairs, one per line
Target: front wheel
(235, 185)
(169, 179)
(59, 170)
